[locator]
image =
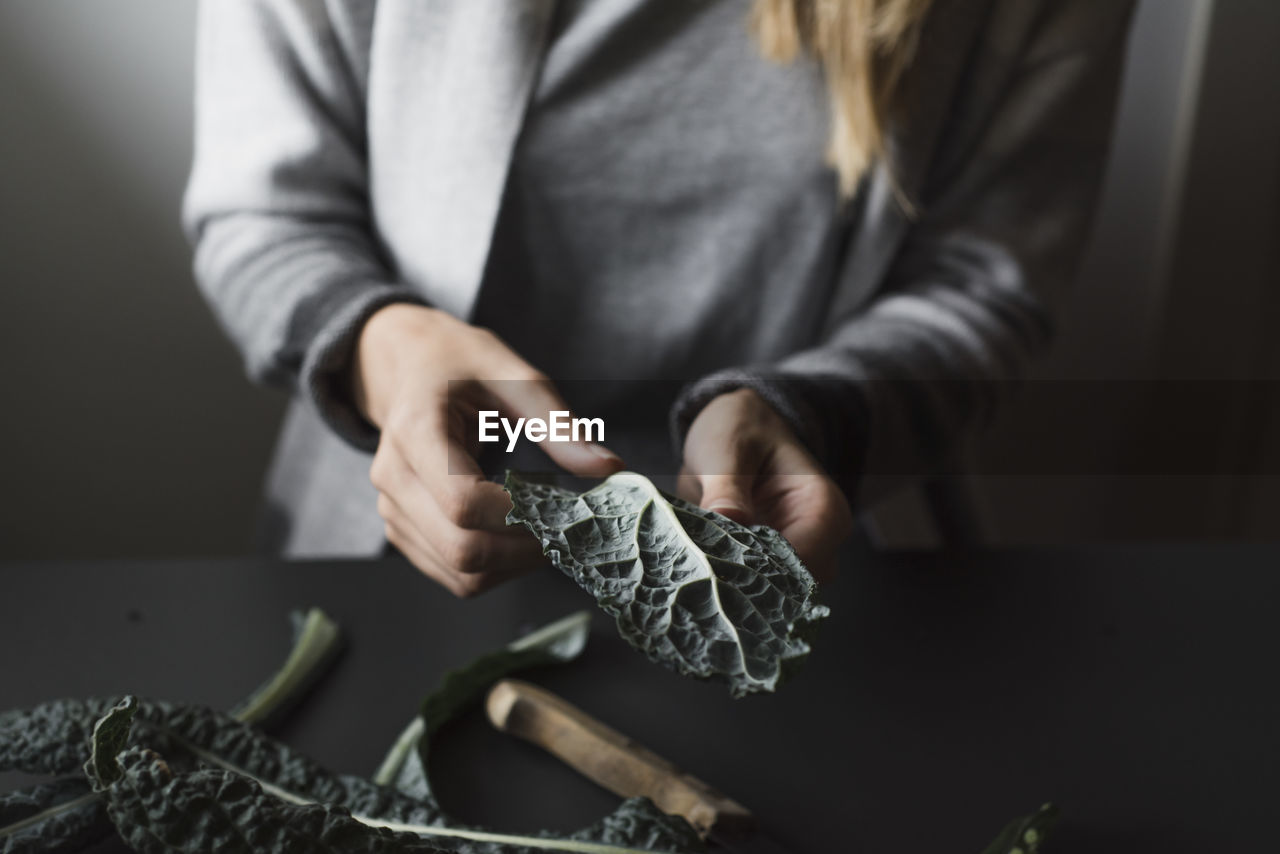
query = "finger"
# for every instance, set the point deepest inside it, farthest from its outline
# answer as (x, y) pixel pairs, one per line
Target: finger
(818, 530)
(807, 507)
(537, 397)
(447, 473)
(427, 559)
(408, 535)
(396, 481)
(507, 554)
(461, 551)
(729, 495)
(688, 486)
(726, 470)
(426, 562)
(400, 491)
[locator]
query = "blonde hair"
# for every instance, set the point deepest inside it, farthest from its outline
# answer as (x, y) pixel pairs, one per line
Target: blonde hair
(864, 47)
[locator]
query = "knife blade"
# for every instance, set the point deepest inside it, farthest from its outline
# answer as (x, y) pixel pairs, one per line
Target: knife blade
(622, 766)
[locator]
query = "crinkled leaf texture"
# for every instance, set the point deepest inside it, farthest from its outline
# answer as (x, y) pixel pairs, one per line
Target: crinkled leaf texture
(186, 779)
(110, 737)
(159, 811)
(691, 589)
(66, 815)
(193, 780)
(55, 816)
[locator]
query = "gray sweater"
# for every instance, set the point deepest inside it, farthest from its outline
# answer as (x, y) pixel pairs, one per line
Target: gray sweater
(669, 199)
(627, 191)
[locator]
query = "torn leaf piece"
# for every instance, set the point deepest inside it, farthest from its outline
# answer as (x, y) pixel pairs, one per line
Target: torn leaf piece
(405, 765)
(691, 589)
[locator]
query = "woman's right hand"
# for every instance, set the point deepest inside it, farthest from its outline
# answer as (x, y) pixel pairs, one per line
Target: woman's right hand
(420, 376)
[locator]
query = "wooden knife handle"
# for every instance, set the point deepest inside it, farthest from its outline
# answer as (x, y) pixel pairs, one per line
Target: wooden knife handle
(608, 757)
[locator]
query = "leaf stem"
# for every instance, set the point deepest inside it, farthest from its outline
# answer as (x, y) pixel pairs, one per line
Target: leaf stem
(399, 752)
(315, 643)
(32, 820)
(314, 646)
(562, 626)
(569, 845)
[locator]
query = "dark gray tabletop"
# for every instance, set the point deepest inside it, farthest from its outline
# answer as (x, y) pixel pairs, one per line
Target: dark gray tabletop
(1133, 686)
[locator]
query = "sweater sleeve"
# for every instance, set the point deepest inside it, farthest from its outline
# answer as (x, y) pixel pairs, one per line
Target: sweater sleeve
(277, 204)
(966, 303)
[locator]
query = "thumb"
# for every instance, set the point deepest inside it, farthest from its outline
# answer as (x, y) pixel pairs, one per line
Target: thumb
(538, 398)
(725, 470)
(729, 495)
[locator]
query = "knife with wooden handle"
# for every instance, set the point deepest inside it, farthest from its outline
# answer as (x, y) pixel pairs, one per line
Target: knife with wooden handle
(621, 765)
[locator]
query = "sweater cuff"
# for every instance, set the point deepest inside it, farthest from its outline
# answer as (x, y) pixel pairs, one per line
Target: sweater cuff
(829, 414)
(339, 315)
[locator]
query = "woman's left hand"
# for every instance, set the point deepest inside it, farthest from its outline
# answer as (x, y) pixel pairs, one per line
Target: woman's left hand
(742, 460)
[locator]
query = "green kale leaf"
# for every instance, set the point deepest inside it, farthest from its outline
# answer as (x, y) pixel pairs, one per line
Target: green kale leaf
(174, 778)
(160, 809)
(317, 642)
(56, 738)
(691, 589)
(636, 824)
(557, 643)
(110, 736)
(60, 815)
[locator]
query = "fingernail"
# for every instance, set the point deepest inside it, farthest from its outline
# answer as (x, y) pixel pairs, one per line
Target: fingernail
(603, 453)
(725, 508)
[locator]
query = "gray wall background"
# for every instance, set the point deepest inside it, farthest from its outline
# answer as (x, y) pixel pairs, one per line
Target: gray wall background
(128, 429)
